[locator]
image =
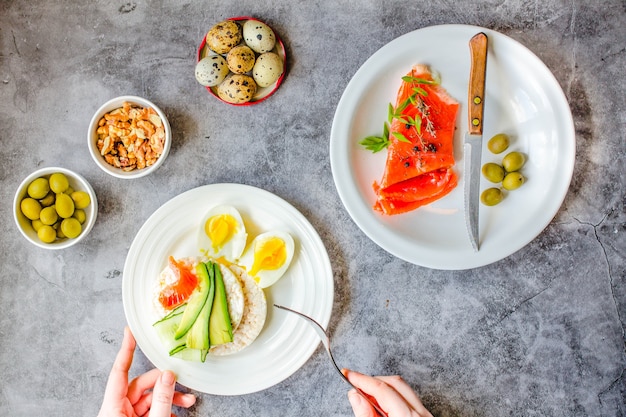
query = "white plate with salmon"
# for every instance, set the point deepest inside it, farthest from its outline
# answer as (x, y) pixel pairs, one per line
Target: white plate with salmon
(396, 147)
(171, 266)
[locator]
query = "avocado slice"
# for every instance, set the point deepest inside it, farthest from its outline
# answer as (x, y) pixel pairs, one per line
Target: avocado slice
(198, 335)
(220, 327)
(196, 301)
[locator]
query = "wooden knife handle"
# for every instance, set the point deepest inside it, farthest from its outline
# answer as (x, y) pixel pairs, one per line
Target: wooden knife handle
(476, 96)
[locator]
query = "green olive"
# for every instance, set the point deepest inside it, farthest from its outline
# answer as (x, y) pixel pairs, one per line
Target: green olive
(493, 172)
(80, 215)
(47, 234)
(30, 208)
(513, 161)
(69, 191)
(60, 234)
(512, 181)
(71, 227)
(64, 205)
(48, 216)
(81, 199)
(499, 143)
(38, 188)
(36, 224)
(48, 200)
(58, 182)
(491, 196)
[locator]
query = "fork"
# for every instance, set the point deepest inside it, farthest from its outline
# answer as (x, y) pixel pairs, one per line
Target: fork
(325, 337)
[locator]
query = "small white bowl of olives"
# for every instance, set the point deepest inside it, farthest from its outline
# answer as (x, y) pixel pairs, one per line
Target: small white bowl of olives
(55, 208)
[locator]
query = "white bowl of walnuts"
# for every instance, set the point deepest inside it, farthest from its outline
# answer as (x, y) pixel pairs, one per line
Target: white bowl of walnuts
(129, 137)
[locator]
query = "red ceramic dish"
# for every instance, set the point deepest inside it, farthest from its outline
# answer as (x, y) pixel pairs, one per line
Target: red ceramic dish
(262, 92)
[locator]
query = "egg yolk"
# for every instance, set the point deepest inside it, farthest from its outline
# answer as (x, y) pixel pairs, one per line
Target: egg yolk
(220, 229)
(269, 254)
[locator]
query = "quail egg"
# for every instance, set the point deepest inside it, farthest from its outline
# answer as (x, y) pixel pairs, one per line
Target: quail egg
(267, 69)
(222, 37)
(237, 89)
(240, 59)
(211, 70)
(258, 36)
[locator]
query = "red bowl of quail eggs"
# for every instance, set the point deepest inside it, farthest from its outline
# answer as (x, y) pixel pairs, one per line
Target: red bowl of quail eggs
(241, 61)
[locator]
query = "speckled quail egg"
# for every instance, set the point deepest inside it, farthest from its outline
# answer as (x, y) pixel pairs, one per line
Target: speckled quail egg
(237, 88)
(268, 256)
(240, 59)
(224, 36)
(267, 69)
(222, 233)
(211, 70)
(258, 36)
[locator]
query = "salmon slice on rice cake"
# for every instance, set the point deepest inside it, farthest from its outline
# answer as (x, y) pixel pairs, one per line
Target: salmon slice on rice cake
(247, 305)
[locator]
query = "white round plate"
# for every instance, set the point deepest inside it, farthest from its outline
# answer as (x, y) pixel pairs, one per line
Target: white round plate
(285, 343)
(522, 99)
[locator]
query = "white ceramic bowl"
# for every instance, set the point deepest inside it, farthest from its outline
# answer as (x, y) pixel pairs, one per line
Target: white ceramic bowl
(78, 183)
(92, 137)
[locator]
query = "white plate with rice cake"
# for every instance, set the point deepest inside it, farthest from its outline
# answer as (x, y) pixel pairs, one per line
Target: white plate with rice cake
(285, 343)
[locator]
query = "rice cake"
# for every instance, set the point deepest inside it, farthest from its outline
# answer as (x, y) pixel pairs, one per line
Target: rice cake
(254, 314)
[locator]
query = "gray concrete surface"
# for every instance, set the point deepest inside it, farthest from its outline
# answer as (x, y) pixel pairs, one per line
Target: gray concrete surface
(538, 333)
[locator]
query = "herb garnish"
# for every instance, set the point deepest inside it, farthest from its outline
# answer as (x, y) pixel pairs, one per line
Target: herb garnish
(377, 143)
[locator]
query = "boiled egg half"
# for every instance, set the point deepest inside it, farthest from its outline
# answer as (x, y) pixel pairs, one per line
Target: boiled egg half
(222, 234)
(268, 257)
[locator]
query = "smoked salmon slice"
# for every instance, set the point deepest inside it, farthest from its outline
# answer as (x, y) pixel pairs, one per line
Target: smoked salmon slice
(178, 292)
(420, 155)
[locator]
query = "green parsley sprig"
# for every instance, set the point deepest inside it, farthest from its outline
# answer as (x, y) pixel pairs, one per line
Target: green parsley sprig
(377, 143)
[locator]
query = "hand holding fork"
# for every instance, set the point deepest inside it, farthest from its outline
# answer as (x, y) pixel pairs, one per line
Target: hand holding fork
(386, 396)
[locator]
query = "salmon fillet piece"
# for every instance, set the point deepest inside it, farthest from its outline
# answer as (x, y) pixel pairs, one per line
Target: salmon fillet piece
(420, 155)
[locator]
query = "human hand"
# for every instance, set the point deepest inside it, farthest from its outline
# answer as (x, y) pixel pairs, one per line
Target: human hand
(393, 395)
(151, 394)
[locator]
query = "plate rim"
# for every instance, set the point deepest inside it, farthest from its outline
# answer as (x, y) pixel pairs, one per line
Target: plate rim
(340, 121)
(316, 251)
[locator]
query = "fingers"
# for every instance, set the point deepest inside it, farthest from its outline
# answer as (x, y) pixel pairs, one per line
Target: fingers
(151, 393)
(117, 384)
(406, 392)
(163, 395)
(141, 384)
(360, 406)
(142, 407)
(387, 398)
(143, 389)
(184, 400)
(393, 395)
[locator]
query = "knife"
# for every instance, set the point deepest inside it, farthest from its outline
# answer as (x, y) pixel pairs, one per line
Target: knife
(473, 143)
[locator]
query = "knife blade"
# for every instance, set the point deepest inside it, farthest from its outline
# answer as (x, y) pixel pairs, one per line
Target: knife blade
(473, 142)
